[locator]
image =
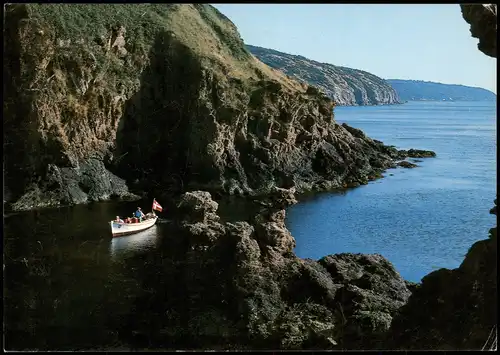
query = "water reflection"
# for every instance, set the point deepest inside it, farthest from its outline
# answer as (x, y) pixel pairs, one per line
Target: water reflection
(141, 241)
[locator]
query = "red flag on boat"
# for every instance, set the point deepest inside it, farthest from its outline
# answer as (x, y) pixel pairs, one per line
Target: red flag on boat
(156, 206)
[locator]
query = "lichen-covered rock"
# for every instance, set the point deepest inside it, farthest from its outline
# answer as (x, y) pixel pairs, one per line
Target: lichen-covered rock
(198, 206)
(305, 325)
(270, 222)
(247, 248)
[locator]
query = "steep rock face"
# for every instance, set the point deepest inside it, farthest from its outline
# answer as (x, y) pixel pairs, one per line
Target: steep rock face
(482, 19)
(62, 107)
(345, 86)
(167, 98)
(239, 286)
(457, 309)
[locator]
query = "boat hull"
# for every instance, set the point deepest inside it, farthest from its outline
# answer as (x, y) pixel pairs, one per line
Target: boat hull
(122, 229)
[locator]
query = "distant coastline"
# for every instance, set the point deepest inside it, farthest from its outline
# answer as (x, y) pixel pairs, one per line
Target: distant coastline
(345, 86)
(417, 90)
(353, 87)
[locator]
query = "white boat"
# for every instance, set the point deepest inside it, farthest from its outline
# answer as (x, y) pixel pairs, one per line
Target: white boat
(118, 228)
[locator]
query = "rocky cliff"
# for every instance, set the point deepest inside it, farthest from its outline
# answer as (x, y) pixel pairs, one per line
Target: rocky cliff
(160, 98)
(345, 86)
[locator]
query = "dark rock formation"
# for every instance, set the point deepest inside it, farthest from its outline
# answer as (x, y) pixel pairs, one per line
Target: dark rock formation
(416, 153)
(345, 86)
(201, 221)
(417, 90)
(90, 181)
(406, 164)
(243, 288)
(129, 89)
(483, 25)
(494, 209)
(372, 293)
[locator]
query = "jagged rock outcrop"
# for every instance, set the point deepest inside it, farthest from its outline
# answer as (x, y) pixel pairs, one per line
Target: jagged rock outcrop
(88, 181)
(61, 109)
(245, 289)
(131, 91)
(482, 19)
(345, 86)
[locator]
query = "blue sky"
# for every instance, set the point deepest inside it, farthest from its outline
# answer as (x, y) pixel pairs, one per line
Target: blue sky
(421, 42)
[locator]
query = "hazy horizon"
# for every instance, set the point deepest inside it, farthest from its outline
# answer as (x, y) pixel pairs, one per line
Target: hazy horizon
(428, 42)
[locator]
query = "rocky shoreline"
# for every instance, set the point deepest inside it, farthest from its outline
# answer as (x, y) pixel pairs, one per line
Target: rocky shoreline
(92, 182)
(242, 287)
(238, 285)
(238, 128)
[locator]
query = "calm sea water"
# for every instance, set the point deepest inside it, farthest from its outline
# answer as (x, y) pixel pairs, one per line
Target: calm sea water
(421, 219)
(67, 284)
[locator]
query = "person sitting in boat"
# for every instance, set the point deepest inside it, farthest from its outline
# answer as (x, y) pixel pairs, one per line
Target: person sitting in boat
(139, 214)
(118, 219)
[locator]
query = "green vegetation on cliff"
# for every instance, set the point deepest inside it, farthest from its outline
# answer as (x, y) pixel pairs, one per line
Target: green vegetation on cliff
(73, 77)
